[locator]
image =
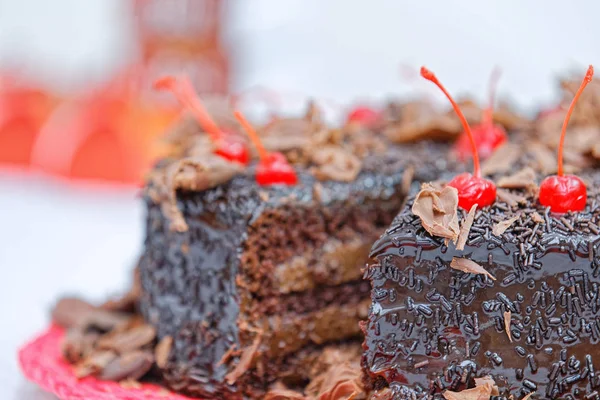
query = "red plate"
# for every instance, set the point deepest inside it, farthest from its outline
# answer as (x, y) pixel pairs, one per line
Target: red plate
(42, 363)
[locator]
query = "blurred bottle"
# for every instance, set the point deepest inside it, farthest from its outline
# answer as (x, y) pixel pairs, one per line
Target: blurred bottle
(110, 133)
(23, 110)
(183, 36)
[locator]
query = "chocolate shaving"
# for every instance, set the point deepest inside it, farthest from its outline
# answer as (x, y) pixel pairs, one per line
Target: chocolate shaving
(471, 267)
(162, 351)
(104, 321)
(94, 363)
(420, 120)
(501, 227)
(132, 365)
(335, 163)
(510, 198)
(488, 381)
(128, 340)
(77, 345)
(284, 394)
(339, 382)
(507, 316)
(465, 228)
(285, 143)
(536, 217)
(407, 179)
(523, 179)
(477, 393)
(246, 359)
(382, 394)
(438, 211)
(231, 351)
(483, 390)
(194, 174)
(545, 159)
(70, 312)
(501, 160)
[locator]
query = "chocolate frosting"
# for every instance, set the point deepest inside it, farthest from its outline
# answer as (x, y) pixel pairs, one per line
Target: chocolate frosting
(189, 174)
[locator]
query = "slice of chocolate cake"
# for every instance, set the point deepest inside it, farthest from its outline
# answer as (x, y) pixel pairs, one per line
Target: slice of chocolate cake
(250, 280)
(506, 292)
(519, 302)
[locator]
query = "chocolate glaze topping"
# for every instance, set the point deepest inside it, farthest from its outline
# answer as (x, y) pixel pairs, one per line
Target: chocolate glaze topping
(433, 328)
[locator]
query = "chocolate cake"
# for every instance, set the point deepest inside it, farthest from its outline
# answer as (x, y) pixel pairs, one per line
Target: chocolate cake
(523, 307)
(496, 299)
(250, 281)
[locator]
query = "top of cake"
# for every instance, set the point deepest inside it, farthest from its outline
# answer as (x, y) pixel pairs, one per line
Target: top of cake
(515, 223)
(331, 164)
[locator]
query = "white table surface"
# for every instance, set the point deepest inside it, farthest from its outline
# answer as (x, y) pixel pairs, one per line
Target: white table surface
(57, 239)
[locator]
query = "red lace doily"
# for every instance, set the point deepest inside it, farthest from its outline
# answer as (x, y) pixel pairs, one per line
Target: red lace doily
(42, 363)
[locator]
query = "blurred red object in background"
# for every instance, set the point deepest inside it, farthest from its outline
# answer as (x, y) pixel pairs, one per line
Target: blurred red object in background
(106, 135)
(109, 133)
(23, 110)
(183, 37)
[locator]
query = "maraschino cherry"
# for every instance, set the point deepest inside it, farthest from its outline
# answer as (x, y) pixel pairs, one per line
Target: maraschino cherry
(488, 136)
(472, 189)
(273, 168)
(363, 115)
(226, 144)
(563, 193)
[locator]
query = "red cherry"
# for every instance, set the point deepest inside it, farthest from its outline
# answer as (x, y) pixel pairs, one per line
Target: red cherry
(487, 139)
(563, 193)
(487, 135)
(232, 149)
(226, 146)
(472, 189)
(363, 115)
(273, 168)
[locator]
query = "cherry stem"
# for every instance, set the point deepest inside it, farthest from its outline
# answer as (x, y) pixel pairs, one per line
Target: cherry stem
(183, 89)
(262, 152)
(430, 76)
(587, 79)
(489, 112)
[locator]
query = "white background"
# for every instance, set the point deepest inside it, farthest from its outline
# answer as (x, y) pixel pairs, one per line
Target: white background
(55, 238)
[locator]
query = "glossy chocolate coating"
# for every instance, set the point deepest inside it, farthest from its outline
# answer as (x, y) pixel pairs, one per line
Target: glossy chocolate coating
(433, 328)
(193, 281)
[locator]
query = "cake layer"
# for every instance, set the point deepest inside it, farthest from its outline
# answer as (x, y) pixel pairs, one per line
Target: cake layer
(252, 274)
(336, 262)
(532, 324)
(289, 333)
(312, 300)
